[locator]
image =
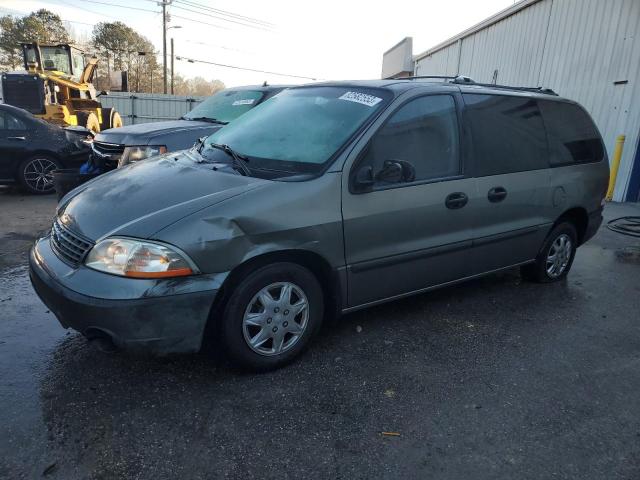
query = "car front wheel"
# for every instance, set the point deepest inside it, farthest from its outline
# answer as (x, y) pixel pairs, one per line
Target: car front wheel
(271, 316)
(35, 174)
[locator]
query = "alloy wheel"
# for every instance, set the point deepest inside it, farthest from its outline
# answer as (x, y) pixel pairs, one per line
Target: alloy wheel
(38, 174)
(559, 256)
(276, 318)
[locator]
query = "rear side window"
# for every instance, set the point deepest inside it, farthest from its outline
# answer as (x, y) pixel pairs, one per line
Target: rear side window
(508, 134)
(573, 138)
(9, 122)
(423, 132)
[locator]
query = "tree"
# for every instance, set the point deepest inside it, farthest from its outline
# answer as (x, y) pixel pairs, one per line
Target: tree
(197, 86)
(129, 50)
(44, 26)
(10, 38)
(41, 26)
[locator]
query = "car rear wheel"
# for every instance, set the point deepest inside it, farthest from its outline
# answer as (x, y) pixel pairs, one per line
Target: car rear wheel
(35, 174)
(271, 316)
(556, 256)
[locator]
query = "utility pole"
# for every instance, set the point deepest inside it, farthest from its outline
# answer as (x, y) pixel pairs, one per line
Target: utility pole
(164, 42)
(171, 65)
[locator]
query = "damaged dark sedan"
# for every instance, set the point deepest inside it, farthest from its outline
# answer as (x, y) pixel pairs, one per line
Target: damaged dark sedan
(31, 149)
(322, 200)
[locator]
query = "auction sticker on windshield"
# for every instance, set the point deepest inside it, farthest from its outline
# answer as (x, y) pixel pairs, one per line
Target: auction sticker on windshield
(246, 101)
(363, 98)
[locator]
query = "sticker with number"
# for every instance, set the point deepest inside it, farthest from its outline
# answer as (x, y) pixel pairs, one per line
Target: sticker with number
(362, 98)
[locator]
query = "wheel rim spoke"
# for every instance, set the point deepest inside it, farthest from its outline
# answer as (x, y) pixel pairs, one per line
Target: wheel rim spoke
(278, 343)
(294, 328)
(260, 338)
(299, 307)
(266, 299)
(255, 319)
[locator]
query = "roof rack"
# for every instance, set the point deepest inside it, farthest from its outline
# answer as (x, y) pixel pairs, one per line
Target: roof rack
(546, 91)
(464, 80)
(453, 79)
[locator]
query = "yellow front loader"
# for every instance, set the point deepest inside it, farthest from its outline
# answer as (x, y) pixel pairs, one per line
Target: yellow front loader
(56, 87)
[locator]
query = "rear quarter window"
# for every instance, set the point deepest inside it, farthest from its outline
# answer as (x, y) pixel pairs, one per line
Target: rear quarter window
(573, 138)
(508, 134)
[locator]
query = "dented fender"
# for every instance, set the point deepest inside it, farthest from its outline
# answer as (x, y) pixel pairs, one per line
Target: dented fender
(278, 216)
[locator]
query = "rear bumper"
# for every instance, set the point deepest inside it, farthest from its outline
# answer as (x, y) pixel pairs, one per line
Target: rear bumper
(150, 319)
(595, 220)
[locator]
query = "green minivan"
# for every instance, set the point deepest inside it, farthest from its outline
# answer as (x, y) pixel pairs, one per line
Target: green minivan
(324, 199)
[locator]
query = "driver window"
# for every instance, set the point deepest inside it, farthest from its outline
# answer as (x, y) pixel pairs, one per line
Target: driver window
(423, 132)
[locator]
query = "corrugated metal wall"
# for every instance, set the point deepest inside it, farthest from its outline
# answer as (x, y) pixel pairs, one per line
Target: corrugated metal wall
(579, 48)
(149, 107)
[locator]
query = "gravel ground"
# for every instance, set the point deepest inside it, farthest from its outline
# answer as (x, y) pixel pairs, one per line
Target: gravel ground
(496, 378)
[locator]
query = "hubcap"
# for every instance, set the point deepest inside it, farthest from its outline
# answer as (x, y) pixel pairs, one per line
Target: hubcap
(37, 174)
(559, 256)
(275, 318)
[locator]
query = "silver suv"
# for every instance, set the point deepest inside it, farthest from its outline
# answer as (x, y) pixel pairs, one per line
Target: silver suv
(322, 200)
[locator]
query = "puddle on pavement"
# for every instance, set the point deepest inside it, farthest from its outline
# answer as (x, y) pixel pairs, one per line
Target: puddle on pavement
(29, 334)
(629, 255)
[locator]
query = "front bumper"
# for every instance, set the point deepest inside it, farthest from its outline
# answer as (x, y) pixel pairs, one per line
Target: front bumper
(157, 316)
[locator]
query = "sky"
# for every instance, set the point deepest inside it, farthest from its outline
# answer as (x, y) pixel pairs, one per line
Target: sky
(328, 40)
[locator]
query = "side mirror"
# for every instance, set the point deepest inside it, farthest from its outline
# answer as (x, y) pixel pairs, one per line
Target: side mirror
(364, 178)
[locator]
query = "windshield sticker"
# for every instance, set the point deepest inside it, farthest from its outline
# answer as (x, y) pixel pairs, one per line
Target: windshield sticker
(363, 98)
(246, 101)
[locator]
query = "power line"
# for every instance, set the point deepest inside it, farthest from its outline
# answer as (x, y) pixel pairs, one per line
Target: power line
(192, 60)
(218, 46)
(87, 10)
(225, 12)
(257, 27)
(122, 6)
(199, 21)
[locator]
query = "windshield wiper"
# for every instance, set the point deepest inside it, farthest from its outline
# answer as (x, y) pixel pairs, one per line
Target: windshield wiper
(204, 119)
(239, 161)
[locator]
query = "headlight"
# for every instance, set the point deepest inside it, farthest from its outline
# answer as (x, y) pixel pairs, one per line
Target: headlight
(138, 259)
(134, 154)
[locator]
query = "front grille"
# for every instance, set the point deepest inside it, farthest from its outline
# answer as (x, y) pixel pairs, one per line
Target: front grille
(70, 247)
(106, 155)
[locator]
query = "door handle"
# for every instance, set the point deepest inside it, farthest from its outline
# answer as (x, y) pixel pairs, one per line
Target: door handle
(497, 194)
(456, 200)
(16, 138)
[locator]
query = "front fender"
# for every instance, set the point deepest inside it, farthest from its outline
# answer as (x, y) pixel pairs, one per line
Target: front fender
(281, 216)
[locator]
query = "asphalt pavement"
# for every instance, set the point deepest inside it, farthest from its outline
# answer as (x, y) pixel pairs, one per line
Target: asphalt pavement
(496, 378)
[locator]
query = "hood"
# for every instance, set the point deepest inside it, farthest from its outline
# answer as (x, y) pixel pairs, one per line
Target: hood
(144, 133)
(142, 198)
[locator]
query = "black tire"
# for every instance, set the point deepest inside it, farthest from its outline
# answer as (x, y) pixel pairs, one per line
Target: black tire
(538, 271)
(110, 119)
(88, 120)
(106, 118)
(34, 174)
(232, 329)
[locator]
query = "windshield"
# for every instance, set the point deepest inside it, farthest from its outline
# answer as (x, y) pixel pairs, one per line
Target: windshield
(300, 129)
(226, 105)
(55, 58)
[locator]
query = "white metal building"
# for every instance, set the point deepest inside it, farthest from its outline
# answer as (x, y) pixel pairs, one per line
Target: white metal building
(585, 50)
